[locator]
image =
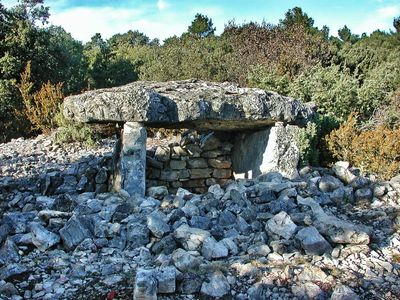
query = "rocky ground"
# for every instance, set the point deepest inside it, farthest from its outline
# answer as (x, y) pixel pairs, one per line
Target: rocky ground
(331, 234)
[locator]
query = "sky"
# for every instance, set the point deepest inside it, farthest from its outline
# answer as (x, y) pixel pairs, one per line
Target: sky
(164, 18)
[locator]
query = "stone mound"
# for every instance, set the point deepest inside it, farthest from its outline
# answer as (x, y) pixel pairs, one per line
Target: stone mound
(329, 234)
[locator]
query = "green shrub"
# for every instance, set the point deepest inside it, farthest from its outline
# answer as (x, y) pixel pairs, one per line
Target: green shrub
(332, 89)
(311, 141)
(268, 79)
(69, 132)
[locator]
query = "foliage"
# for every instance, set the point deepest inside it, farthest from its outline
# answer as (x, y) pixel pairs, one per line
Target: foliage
(268, 79)
(332, 89)
(306, 142)
(375, 151)
(69, 131)
(296, 16)
(201, 26)
(396, 24)
(346, 35)
(311, 140)
(42, 106)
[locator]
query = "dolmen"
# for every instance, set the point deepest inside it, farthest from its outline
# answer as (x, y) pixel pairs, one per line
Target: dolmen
(261, 125)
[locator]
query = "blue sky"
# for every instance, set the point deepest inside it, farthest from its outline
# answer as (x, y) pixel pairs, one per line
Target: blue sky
(164, 18)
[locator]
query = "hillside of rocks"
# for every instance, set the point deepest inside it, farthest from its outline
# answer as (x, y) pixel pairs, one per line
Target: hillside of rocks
(329, 234)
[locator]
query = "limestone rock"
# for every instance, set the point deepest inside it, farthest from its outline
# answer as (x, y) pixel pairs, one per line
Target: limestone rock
(145, 285)
(338, 231)
(343, 292)
(74, 232)
(191, 238)
(213, 249)
(312, 241)
(222, 106)
(329, 183)
(184, 261)
(156, 222)
(217, 285)
(42, 238)
(157, 192)
(281, 225)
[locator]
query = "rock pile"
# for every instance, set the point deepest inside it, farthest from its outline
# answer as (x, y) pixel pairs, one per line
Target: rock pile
(330, 234)
(194, 164)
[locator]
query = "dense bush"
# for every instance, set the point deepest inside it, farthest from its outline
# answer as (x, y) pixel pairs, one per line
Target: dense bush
(374, 151)
(40, 107)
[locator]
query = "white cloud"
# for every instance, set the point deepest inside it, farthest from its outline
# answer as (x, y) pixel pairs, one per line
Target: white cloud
(162, 4)
(382, 20)
(84, 22)
(388, 11)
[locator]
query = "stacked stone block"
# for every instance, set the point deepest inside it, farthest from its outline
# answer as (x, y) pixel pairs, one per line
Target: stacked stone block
(193, 164)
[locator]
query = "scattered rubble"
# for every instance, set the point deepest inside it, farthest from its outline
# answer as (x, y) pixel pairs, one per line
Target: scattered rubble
(329, 234)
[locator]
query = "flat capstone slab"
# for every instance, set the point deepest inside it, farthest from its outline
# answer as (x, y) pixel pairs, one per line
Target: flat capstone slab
(187, 104)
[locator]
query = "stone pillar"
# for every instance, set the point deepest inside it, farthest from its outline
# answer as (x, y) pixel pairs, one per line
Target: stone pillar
(132, 160)
(272, 149)
(282, 154)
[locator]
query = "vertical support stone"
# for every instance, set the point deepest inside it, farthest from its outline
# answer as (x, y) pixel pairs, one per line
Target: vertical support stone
(132, 161)
(272, 149)
(282, 154)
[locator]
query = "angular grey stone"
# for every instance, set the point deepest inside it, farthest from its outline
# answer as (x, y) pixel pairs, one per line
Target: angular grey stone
(137, 235)
(74, 232)
(217, 285)
(363, 194)
(312, 241)
(222, 106)
(200, 222)
(18, 221)
(191, 238)
(162, 153)
(177, 164)
(343, 292)
(281, 204)
(101, 176)
(226, 219)
(259, 250)
(184, 261)
(42, 238)
(145, 287)
(157, 224)
(157, 192)
(9, 253)
(197, 163)
(360, 182)
(166, 280)
(212, 249)
(190, 284)
(338, 231)
(309, 290)
(216, 190)
(5, 229)
(281, 225)
(329, 183)
(12, 270)
(166, 245)
(341, 170)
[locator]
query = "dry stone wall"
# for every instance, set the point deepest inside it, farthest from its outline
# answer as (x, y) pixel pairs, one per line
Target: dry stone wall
(195, 163)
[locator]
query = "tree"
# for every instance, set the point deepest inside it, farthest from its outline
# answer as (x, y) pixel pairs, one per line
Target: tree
(396, 24)
(296, 16)
(201, 26)
(346, 35)
(130, 39)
